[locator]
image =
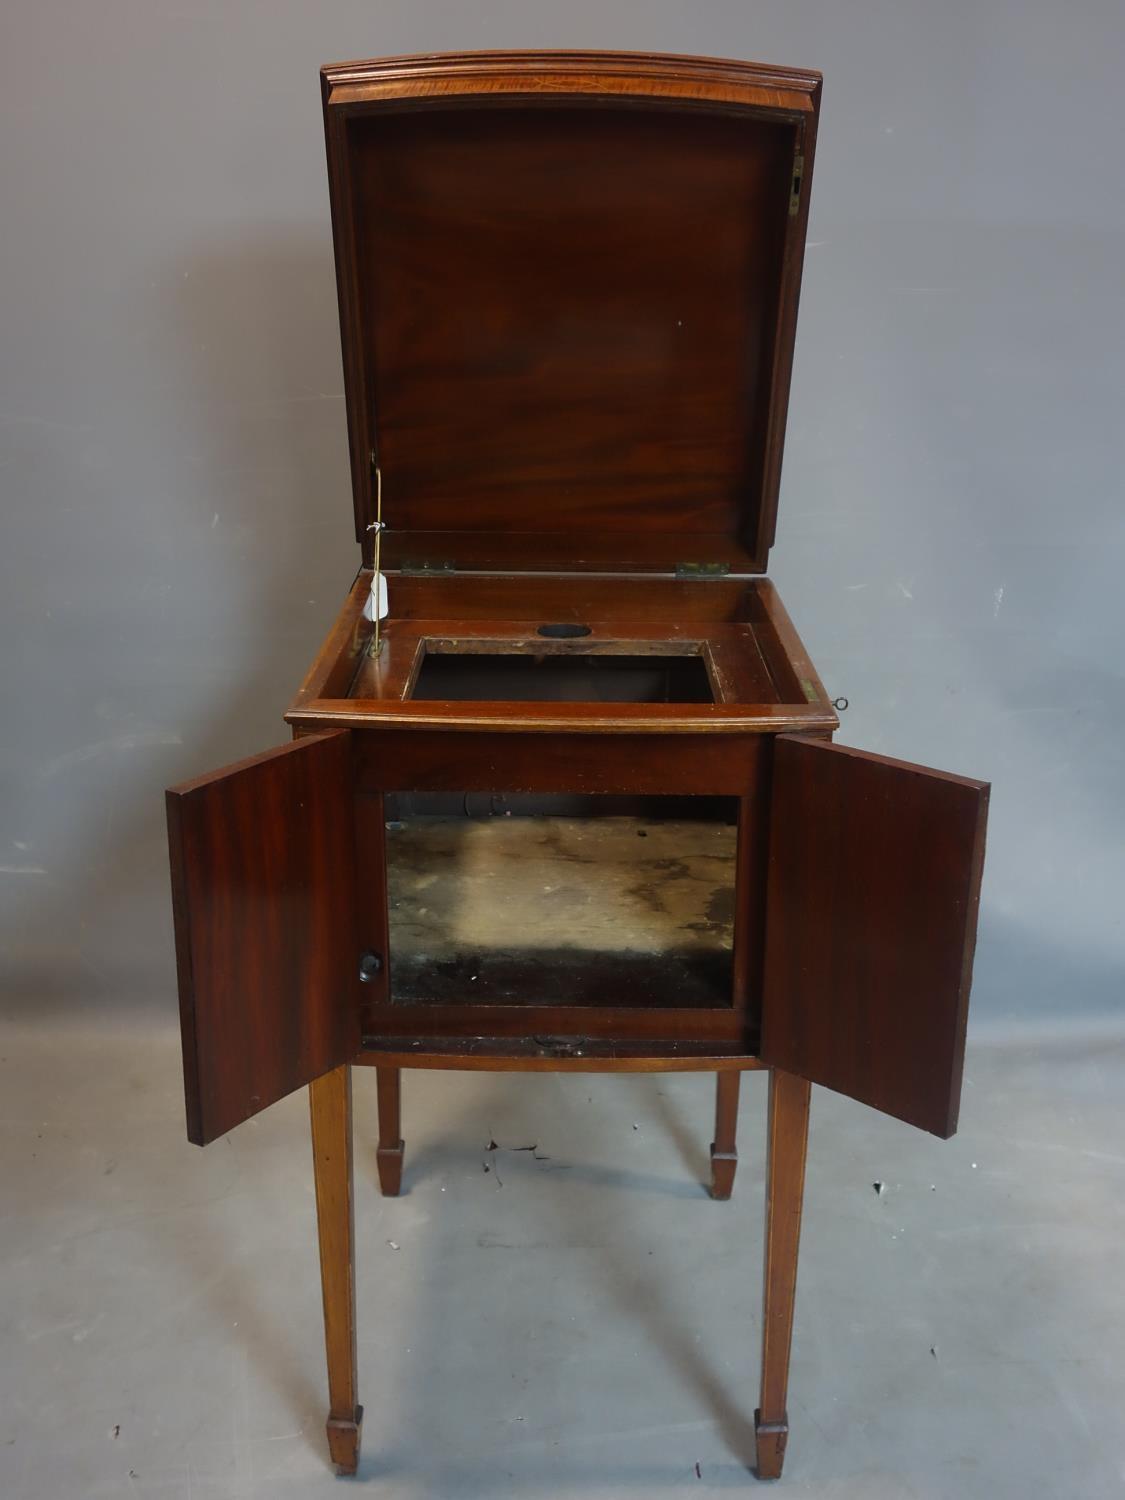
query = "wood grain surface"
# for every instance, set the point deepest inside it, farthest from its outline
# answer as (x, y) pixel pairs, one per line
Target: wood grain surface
(874, 883)
(568, 290)
(263, 864)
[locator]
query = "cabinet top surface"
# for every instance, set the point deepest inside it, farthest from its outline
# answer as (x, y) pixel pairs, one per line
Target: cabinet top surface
(734, 662)
(568, 292)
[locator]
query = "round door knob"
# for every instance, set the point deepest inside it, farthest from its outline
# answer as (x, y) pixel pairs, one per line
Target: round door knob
(370, 966)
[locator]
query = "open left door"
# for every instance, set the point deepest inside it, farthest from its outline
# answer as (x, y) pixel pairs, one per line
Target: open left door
(874, 883)
(263, 894)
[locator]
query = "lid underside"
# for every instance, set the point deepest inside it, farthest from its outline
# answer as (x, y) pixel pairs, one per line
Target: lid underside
(568, 326)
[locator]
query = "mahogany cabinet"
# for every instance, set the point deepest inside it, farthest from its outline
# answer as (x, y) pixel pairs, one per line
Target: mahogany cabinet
(568, 289)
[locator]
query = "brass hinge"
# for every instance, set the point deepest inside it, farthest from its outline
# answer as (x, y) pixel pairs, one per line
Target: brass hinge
(425, 565)
(795, 184)
(702, 569)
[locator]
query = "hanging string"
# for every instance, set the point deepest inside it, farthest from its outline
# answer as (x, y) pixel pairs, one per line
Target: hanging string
(376, 585)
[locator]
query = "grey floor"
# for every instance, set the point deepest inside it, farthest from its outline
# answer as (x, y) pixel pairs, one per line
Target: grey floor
(576, 1321)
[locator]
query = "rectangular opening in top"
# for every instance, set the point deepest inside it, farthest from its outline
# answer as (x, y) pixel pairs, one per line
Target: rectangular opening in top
(539, 675)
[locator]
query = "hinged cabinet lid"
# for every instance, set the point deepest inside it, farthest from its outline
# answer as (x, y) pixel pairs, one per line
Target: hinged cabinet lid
(568, 294)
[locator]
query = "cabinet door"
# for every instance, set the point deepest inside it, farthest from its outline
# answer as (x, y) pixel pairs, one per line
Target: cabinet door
(263, 893)
(874, 883)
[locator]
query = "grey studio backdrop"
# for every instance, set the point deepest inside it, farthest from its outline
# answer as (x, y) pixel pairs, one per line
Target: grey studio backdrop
(176, 516)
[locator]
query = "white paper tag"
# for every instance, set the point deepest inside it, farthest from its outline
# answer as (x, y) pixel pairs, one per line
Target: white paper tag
(377, 598)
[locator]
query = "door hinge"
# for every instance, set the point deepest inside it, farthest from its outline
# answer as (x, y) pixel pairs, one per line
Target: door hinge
(702, 569)
(795, 183)
(426, 565)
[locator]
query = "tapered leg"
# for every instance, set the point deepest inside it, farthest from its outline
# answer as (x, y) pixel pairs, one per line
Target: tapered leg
(330, 1104)
(788, 1136)
(388, 1156)
(724, 1149)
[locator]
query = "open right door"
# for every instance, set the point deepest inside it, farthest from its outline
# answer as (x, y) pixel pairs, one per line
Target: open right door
(874, 883)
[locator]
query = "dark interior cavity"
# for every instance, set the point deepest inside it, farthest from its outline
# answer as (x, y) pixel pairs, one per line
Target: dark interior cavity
(562, 678)
(612, 910)
(563, 632)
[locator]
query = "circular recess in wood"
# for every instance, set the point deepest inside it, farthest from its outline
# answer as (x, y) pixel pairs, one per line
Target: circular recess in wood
(563, 632)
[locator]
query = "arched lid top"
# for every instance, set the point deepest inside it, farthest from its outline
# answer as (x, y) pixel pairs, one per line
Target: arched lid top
(568, 296)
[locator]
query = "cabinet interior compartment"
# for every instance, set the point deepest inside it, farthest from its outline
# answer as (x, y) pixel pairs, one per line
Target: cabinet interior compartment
(576, 901)
(560, 671)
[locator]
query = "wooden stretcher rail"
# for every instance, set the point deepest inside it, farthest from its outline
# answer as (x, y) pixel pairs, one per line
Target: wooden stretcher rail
(556, 1055)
